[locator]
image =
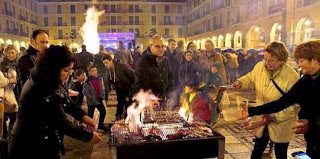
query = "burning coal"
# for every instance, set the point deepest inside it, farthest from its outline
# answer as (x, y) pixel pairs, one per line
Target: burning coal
(89, 30)
(144, 100)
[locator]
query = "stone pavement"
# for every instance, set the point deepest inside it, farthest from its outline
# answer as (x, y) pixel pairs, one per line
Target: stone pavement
(238, 144)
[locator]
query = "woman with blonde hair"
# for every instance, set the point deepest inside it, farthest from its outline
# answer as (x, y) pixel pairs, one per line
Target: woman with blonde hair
(8, 79)
(271, 78)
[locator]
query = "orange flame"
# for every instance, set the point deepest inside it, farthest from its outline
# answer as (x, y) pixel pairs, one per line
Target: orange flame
(144, 100)
(185, 111)
(89, 30)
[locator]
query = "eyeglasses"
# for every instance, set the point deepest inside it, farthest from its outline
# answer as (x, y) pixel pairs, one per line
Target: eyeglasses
(158, 46)
(269, 62)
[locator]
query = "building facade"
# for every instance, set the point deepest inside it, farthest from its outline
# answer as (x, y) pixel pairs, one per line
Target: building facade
(229, 23)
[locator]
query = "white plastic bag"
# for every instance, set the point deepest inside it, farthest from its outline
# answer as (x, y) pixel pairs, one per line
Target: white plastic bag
(225, 102)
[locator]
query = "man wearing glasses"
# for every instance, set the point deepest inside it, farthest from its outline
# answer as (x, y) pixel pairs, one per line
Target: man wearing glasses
(271, 78)
(153, 71)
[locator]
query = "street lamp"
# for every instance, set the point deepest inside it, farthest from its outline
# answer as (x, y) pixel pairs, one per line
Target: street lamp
(72, 36)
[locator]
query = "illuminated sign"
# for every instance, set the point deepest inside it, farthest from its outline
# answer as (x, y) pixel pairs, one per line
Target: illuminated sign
(117, 36)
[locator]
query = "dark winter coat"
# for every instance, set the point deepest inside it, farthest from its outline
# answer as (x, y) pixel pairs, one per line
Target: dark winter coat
(83, 60)
(305, 92)
(175, 61)
(153, 75)
(25, 63)
(189, 72)
(124, 77)
(42, 121)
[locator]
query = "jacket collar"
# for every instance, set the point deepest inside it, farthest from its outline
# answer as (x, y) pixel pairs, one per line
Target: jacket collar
(32, 51)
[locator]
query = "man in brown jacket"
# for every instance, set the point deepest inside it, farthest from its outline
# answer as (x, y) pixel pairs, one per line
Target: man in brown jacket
(209, 56)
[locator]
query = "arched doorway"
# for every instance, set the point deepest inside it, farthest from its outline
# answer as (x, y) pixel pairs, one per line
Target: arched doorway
(1, 41)
(16, 45)
(275, 34)
(214, 41)
(237, 39)
(220, 41)
(304, 30)
(199, 44)
(256, 37)
(23, 44)
(9, 42)
(228, 40)
(203, 43)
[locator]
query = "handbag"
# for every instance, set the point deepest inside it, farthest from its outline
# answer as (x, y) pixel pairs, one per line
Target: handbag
(9, 100)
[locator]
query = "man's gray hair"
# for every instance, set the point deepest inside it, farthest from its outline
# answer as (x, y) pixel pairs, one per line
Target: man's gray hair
(156, 37)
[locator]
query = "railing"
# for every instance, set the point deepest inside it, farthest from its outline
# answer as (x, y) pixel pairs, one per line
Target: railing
(10, 13)
(36, 23)
(217, 26)
(60, 24)
(14, 32)
(23, 34)
(167, 23)
(22, 18)
(275, 9)
(58, 37)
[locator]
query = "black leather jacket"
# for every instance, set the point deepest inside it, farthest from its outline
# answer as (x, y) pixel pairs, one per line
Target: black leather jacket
(42, 121)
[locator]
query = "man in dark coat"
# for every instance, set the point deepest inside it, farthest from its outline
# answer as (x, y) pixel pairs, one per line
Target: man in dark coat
(153, 71)
(38, 43)
(123, 77)
(83, 59)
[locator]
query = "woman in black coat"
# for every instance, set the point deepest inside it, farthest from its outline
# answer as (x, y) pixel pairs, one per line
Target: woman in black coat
(42, 119)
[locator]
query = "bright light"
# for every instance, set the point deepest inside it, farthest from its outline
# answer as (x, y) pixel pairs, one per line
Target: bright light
(307, 22)
(308, 30)
(262, 37)
(256, 29)
(279, 27)
(89, 30)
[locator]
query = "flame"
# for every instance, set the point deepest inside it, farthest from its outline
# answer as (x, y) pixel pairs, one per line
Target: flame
(89, 30)
(144, 100)
(185, 110)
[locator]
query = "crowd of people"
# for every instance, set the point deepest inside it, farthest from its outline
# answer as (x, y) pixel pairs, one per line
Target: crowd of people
(50, 82)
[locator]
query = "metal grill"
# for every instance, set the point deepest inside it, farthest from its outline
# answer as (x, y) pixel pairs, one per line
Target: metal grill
(159, 126)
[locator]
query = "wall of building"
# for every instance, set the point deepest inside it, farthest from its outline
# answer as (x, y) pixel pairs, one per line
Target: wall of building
(229, 23)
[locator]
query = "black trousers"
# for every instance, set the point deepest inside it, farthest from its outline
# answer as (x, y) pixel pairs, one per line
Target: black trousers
(122, 103)
(101, 109)
(281, 149)
(313, 147)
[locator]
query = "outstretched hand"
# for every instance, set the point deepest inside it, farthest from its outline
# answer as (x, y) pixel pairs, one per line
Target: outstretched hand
(302, 126)
(237, 85)
(245, 113)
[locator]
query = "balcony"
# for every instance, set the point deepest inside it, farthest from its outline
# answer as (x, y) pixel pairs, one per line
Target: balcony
(23, 34)
(275, 9)
(58, 37)
(13, 32)
(306, 2)
(217, 26)
(167, 23)
(59, 24)
(34, 22)
(7, 12)
(23, 18)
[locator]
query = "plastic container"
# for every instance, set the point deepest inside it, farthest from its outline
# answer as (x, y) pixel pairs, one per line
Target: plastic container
(232, 113)
(253, 122)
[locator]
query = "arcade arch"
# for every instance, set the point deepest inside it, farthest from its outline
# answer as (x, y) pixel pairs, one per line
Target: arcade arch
(237, 39)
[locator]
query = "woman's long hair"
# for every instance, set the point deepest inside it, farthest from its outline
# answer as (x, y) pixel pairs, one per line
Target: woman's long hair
(49, 65)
